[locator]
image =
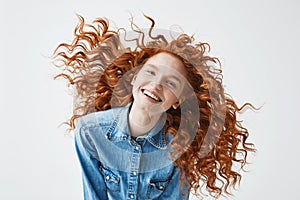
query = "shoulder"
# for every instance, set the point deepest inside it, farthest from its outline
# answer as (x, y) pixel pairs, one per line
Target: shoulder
(98, 119)
(92, 128)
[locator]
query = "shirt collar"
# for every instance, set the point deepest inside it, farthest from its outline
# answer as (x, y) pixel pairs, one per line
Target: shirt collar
(120, 129)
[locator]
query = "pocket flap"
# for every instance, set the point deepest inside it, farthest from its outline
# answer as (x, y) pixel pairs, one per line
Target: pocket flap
(111, 179)
(159, 184)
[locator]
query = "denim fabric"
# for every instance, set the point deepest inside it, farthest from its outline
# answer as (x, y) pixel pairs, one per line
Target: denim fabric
(114, 166)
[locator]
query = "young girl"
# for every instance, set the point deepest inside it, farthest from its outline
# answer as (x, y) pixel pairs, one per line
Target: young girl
(151, 122)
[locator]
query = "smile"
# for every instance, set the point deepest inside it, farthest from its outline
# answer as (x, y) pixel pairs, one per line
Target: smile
(151, 95)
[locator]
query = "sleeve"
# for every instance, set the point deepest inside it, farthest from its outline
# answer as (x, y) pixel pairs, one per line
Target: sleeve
(93, 183)
(172, 191)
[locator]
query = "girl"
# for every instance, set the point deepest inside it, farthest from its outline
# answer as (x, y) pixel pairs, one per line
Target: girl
(151, 122)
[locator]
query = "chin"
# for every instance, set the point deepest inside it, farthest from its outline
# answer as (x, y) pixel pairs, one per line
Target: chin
(149, 107)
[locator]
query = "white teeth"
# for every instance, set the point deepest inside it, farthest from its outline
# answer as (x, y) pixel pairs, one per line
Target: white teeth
(151, 95)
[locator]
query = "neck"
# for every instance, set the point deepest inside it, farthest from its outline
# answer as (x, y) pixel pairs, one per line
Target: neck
(141, 121)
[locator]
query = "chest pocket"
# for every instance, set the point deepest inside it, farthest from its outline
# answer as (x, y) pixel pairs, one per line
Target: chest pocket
(112, 180)
(156, 187)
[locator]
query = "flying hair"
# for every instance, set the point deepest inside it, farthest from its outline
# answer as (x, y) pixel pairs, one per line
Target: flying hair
(94, 65)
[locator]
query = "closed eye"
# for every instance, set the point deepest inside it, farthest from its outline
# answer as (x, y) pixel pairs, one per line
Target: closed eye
(171, 84)
(150, 72)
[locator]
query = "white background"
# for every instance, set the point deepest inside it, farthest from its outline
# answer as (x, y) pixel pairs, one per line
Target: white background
(257, 42)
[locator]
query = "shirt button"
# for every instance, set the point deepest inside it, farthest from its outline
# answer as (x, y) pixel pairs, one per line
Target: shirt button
(137, 148)
(161, 187)
(134, 173)
(131, 196)
(107, 178)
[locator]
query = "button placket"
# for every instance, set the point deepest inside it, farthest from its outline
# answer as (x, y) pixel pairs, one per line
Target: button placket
(134, 168)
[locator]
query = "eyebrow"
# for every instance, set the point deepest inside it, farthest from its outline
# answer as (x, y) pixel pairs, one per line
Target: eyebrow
(155, 67)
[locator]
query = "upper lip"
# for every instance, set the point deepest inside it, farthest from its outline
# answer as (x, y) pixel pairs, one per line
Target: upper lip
(153, 93)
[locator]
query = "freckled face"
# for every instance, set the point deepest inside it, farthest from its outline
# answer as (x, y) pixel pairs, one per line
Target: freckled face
(159, 83)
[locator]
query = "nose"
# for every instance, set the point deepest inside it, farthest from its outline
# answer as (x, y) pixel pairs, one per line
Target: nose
(158, 82)
(157, 86)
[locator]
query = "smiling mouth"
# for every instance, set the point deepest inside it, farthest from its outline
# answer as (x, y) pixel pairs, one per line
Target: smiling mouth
(151, 95)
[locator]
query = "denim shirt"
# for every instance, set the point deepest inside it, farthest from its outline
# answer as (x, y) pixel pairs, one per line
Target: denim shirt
(116, 167)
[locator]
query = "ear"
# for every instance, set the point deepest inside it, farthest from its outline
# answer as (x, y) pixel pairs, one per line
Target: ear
(176, 105)
(133, 79)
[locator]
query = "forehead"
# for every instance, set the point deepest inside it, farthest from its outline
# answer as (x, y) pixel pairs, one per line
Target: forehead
(167, 60)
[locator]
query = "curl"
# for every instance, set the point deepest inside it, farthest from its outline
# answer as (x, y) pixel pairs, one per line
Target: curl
(94, 64)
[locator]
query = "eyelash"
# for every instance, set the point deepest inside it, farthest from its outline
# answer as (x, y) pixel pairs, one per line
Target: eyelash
(172, 84)
(150, 72)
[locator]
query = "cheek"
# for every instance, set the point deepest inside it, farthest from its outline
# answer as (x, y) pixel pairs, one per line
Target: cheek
(138, 83)
(171, 97)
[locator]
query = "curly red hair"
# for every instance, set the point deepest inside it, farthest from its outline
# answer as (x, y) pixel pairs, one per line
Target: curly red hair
(94, 64)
